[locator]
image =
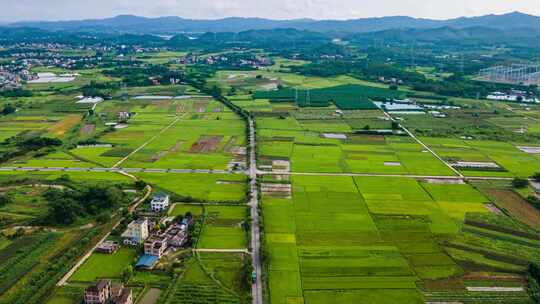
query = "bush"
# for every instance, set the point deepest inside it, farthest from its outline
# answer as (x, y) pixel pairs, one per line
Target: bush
(8, 109)
(533, 277)
(533, 200)
(5, 199)
(103, 218)
(519, 183)
(65, 206)
(140, 185)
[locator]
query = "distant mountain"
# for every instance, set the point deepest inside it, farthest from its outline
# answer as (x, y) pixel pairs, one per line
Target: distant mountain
(136, 24)
(526, 37)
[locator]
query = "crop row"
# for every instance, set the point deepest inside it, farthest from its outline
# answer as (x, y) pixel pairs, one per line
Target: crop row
(201, 294)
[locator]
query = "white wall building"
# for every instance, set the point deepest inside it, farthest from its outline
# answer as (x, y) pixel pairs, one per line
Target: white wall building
(136, 232)
(160, 203)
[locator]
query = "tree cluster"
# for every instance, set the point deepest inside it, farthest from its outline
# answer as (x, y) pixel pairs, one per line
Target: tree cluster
(66, 205)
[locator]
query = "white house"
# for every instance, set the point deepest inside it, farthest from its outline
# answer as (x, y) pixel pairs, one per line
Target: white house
(136, 232)
(160, 203)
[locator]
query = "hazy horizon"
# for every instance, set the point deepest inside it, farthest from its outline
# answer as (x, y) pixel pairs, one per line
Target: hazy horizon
(34, 10)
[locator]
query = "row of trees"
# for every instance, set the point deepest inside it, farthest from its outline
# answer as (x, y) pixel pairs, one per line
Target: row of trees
(143, 75)
(16, 146)
(456, 85)
(533, 279)
(16, 93)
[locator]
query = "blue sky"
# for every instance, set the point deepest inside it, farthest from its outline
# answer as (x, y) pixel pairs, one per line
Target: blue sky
(15, 10)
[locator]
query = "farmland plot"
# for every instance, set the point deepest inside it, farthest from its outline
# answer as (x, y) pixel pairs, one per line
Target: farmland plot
(202, 142)
(224, 228)
(324, 240)
(511, 160)
(318, 152)
(351, 239)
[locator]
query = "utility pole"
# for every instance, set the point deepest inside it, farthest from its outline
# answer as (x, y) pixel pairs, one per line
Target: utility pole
(124, 92)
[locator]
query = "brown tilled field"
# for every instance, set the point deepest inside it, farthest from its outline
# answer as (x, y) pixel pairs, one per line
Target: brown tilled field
(60, 128)
(516, 206)
(162, 104)
(200, 106)
(88, 129)
(206, 144)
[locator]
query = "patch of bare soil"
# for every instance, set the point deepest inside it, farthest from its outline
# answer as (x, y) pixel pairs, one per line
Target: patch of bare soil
(206, 144)
(162, 154)
(493, 209)
(176, 147)
(181, 108)
(516, 206)
(486, 276)
(158, 156)
(443, 181)
(276, 190)
(88, 129)
(162, 104)
(200, 106)
(230, 144)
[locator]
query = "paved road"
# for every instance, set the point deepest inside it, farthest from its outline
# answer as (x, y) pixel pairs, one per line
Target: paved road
(442, 177)
(119, 170)
(255, 233)
(257, 172)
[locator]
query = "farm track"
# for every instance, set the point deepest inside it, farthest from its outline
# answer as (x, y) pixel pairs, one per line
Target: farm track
(117, 170)
(424, 145)
(80, 262)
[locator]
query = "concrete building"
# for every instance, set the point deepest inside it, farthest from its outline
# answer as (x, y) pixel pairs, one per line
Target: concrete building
(107, 247)
(177, 235)
(104, 292)
(136, 232)
(123, 116)
(99, 293)
(160, 202)
(156, 245)
(121, 294)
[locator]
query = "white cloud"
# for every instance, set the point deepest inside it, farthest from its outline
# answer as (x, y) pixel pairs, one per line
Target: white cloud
(278, 9)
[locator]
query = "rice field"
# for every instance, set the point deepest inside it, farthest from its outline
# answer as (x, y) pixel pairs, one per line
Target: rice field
(346, 239)
(512, 161)
(309, 151)
(224, 228)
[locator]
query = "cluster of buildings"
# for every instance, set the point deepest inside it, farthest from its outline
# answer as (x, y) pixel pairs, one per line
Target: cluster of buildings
(106, 292)
(408, 106)
(514, 95)
(142, 231)
(158, 242)
(233, 59)
(10, 80)
(391, 80)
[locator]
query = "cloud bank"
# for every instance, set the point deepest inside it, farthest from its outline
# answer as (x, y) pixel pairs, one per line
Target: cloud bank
(16, 10)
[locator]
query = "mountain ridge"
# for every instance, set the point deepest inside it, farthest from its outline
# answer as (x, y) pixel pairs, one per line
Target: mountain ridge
(174, 24)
